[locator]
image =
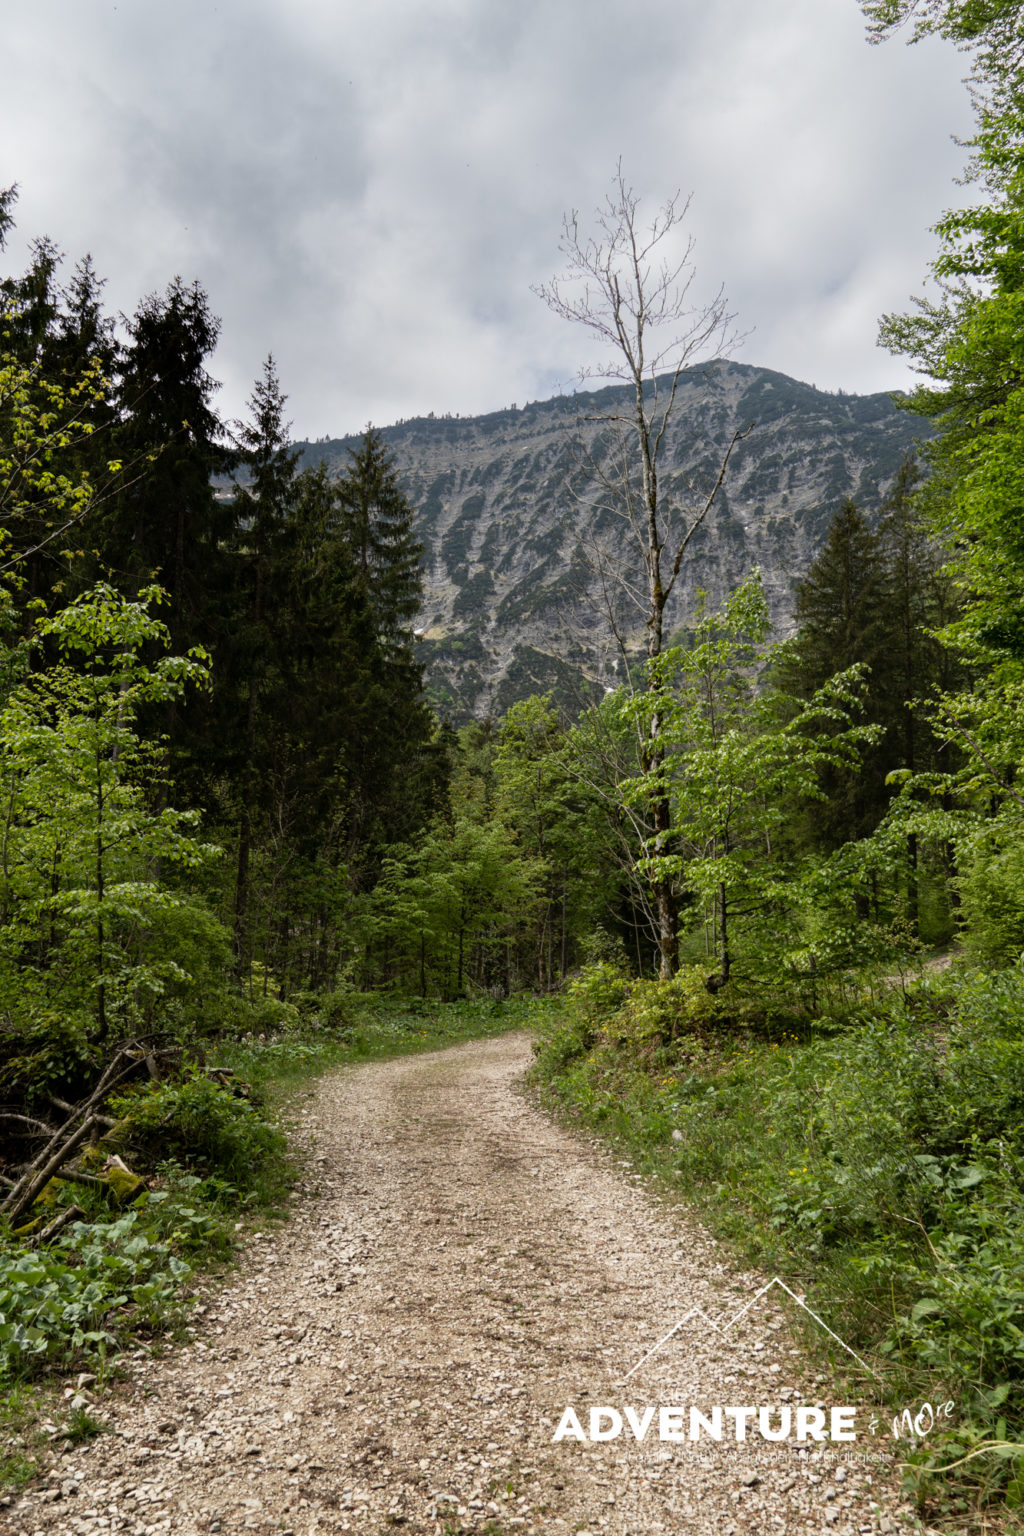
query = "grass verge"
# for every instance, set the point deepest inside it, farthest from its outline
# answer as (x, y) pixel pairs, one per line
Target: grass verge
(875, 1161)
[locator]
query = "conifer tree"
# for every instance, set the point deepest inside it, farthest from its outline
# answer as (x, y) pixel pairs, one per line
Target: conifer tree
(8, 198)
(840, 611)
(875, 598)
(63, 350)
(378, 522)
(34, 300)
(167, 522)
(396, 765)
(84, 333)
(262, 507)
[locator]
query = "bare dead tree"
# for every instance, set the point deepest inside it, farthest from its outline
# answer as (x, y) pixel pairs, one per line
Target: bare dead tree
(629, 285)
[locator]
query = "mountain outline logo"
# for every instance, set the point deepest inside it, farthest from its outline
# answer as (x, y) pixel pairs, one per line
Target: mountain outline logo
(723, 1330)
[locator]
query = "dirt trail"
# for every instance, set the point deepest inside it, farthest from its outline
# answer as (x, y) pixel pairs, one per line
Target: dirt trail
(459, 1271)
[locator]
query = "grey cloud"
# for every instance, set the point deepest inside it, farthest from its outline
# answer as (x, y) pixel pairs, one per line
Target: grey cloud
(370, 192)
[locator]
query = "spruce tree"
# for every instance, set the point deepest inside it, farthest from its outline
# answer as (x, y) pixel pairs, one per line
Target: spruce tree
(397, 767)
(84, 334)
(378, 523)
(65, 346)
(167, 523)
(262, 508)
(840, 611)
(34, 298)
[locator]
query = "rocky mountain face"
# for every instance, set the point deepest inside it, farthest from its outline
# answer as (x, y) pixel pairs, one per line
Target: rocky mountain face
(529, 549)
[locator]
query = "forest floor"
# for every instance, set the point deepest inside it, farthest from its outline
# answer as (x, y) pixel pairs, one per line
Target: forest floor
(457, 1270)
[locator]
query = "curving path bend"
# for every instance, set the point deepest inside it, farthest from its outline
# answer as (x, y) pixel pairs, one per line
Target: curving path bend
(457, 1272)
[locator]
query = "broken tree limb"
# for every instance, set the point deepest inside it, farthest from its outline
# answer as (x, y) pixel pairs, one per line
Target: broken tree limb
(35, 1127)
(66, 1217)
(29, 1186)
(114, 1073)
(70, 1109)
(75, 1176)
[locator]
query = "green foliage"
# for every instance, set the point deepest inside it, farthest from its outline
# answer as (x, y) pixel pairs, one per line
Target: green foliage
(598, 991)
(732, 764)
(591, 998)
(444, 910)
(871, 599)
(85, 924)
(658, 1010)
(882, 1157)
(198, 1122)
(543, 795)
(79, 1297)
(380, 1025)
(991, 889)
(83, 1426)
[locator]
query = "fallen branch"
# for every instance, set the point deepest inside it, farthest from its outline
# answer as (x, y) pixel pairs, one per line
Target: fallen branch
(66, 1217)
(74, 1176)
(36, 1127)
(32, 1184)
(65, 1141)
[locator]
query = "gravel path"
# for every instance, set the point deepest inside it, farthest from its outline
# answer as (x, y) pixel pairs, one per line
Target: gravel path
(398, 1357)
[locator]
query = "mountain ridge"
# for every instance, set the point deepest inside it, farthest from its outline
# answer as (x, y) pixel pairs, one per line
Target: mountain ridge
(525, 545)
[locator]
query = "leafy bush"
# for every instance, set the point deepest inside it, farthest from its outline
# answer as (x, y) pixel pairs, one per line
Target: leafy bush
(884, 1157)
(591, 998)
(198, 1122)
(596, 993)
(658, 1011)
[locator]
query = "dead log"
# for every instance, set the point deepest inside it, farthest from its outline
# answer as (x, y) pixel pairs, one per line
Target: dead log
(32, 1183)
(35, 1127)
(76, 1176)
(67, 1216)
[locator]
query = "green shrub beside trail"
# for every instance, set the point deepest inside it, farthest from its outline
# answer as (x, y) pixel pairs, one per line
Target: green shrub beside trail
(878, 1160)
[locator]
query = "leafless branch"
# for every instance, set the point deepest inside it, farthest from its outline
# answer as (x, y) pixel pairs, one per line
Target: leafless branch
(630, 286)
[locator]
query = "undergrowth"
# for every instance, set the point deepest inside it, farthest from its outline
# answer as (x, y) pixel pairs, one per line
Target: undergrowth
(875, 1160)
(375, 1027)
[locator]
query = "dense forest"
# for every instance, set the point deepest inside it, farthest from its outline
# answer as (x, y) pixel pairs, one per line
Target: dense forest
(224, 785)
(227, 806)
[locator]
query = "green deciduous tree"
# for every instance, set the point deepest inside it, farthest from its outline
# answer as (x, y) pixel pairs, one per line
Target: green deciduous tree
(557, 819)
(447, 910)
(969, 343)
(733, 761)
(88, 921)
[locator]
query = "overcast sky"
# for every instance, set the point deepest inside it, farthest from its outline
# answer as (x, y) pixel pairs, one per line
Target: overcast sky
(369, 190)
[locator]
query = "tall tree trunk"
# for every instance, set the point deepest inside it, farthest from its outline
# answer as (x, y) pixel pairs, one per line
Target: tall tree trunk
(101, 986)
(245, 837)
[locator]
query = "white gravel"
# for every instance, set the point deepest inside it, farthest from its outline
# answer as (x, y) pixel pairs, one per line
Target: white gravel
(457, 1271)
